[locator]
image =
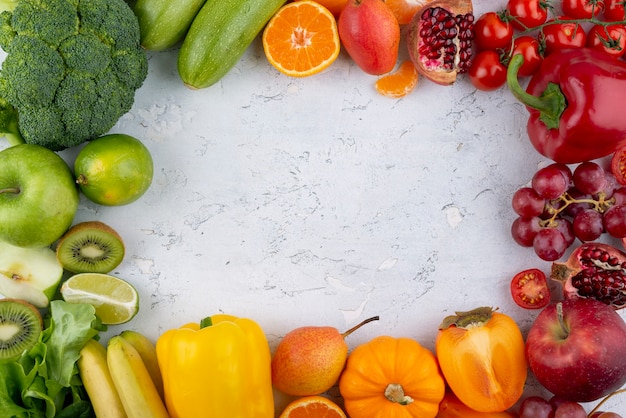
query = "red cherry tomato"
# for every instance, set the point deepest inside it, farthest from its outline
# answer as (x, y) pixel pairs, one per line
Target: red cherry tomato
(528, 46)
(487, 71)
(618, 165)
(614, 10)
(492, 32)
(610, 39)
(527, 13)
(563, 35)
(582, 9)
(529, 289)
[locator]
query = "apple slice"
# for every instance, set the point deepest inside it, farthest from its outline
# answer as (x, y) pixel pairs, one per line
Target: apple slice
(30, 274)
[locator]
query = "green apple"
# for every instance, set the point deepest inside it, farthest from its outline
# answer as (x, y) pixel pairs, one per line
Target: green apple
(30, 274)
(38, 196)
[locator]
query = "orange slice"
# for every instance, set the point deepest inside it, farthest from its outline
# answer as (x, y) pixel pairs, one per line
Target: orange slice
(313, 407)
(404, 10)
(399, 83)
(301, 39)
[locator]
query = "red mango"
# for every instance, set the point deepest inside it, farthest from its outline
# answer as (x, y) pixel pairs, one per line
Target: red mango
(370, 33)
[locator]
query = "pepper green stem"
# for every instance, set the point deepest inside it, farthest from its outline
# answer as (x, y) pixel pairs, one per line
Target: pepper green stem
(206, 322)
(550, 104)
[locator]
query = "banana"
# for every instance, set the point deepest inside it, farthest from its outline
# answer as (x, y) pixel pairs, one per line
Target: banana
(147, 350)
(94, 372)
(133, 382)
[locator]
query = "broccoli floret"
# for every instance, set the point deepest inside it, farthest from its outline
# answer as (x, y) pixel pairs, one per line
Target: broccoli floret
(71, 70)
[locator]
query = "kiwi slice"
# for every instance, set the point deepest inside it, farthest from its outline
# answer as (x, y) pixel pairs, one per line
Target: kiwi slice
(90, 247)
(20, 326)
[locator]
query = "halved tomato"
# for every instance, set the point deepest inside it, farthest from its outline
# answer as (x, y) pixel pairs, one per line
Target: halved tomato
(529, 289)
(618, 165)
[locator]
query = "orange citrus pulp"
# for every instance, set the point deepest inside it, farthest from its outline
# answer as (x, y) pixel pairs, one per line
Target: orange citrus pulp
(301, 39)
(399, 83)
(404, 10)
(313, 407)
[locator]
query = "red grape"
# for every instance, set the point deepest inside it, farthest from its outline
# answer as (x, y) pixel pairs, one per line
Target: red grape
(527, 203)
(523, 230)
(615, 221)
(589, 177)
(550, 244)
(570, 410)
(551, 181)
(588, 225)
(535, 407)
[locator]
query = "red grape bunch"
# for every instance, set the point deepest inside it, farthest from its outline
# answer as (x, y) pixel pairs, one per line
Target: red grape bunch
(562, 205)
(538, 407)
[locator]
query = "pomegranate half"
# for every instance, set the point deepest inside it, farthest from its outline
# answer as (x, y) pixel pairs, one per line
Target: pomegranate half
(594, 270)
(439, 39)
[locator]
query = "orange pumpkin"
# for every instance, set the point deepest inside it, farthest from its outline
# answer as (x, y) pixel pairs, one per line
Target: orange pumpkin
(481, 355)
(452, 407)
(391, 377)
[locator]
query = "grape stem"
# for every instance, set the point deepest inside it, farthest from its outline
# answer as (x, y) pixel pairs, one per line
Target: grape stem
(606, 398)
(562, 202)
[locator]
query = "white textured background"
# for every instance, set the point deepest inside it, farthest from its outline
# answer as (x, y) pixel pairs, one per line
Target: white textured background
(317, 201)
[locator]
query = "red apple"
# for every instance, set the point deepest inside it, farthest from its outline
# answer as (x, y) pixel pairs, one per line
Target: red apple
(576, 349)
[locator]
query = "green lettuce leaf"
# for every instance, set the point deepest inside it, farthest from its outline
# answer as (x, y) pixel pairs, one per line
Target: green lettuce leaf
(44, 382)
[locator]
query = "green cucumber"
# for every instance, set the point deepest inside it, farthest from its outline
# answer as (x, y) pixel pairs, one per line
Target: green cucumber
(219, 36)
(164, 23)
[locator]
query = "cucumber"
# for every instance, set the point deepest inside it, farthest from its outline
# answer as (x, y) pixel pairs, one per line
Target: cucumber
(218, 37)
(164, 23)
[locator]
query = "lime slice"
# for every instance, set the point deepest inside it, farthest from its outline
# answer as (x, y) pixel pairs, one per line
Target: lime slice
(116, 301)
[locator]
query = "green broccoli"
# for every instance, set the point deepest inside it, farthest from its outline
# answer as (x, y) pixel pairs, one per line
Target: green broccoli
(71, 70)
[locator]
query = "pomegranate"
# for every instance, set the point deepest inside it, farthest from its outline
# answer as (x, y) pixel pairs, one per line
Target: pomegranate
(370, 33)
(439, 39)
(594, 270)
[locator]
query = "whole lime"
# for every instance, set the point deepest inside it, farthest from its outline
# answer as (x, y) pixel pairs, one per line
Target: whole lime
(114, 170)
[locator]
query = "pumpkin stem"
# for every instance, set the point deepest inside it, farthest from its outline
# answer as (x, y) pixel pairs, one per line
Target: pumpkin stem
(395, 393)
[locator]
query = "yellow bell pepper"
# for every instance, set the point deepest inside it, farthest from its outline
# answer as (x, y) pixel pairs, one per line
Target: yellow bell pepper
(219, 370)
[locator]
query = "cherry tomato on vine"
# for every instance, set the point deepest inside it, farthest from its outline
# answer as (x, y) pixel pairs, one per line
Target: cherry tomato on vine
(610, 39)
(493, 32)
(618, 165)
(582, 9)
(527, 13)
(563, 35)
(487, 71)
(614, 10)
(529, 289)
(528, 46)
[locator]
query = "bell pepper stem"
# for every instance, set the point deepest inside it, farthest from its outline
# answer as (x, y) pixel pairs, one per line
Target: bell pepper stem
(206, 322)
(550, 104)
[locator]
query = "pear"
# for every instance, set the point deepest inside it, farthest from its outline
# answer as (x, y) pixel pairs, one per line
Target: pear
(308, 360)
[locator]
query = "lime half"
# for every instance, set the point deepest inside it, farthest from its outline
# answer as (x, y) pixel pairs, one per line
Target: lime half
(116, 301)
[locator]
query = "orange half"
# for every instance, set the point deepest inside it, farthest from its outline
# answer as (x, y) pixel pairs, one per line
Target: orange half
(399, 83)
(313, 407)
(301, 39)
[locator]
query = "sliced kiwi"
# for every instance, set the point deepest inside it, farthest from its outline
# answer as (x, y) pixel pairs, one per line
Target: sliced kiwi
(20, 326)
(90, 247)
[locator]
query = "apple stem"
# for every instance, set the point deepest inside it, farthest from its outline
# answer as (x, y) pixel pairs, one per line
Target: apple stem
(559, 315)
(357, 326)
(14, 190)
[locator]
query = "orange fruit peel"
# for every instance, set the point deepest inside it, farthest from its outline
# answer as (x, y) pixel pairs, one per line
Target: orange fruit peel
(399, 83)
(301, 39)
(313, 407)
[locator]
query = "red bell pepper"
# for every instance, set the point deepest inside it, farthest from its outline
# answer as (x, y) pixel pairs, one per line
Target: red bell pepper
(575, 101)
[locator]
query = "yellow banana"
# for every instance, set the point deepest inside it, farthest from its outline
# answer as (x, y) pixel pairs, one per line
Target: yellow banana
(94, 372)
(133, 382)
(147, 350)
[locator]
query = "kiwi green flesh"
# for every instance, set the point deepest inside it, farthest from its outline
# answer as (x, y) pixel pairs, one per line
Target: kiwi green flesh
(20, 326)
(90, 250)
